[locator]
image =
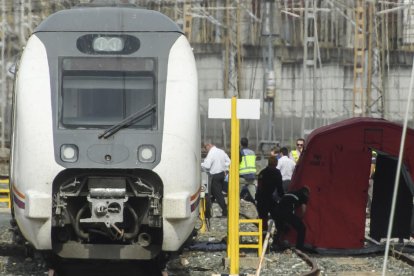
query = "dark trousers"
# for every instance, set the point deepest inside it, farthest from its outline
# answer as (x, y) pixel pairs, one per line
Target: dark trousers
(217, 186)
(264, 206)
(283, 218)
(286, 184)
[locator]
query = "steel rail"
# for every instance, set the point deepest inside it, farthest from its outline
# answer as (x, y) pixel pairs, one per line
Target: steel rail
(312, 263)
(401, 255)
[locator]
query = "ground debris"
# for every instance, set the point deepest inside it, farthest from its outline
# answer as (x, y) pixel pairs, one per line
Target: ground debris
(208, 263)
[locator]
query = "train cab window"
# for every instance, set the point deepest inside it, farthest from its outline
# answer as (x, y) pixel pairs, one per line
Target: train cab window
(101, 98)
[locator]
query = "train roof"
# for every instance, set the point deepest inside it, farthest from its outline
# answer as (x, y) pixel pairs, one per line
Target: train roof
(107, 19)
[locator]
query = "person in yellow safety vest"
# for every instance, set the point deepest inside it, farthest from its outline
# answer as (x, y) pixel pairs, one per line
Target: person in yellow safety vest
(247, 168)
(295, 154)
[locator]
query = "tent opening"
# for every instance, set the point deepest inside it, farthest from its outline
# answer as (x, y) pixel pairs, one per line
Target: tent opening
(383, 187)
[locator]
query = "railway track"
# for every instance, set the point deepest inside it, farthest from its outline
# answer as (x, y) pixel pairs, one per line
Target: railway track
(198, 263)
(104, 268)
(14, 261)
(399, 263)
(314, 268)
(289, 262)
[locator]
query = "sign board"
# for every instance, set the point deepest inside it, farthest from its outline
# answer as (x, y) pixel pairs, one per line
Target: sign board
(246, 109)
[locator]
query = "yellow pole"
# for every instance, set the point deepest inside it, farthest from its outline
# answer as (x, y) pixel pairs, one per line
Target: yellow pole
(234, 193)
(202, 216)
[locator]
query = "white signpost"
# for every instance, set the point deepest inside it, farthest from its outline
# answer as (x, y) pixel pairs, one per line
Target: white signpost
(246, 109)
(234, 109)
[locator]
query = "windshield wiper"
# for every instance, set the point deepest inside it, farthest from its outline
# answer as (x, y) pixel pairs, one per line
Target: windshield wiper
(137, 116)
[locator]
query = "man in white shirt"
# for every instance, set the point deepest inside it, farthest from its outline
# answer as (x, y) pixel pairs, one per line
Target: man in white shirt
(286, 167)
(216, 163)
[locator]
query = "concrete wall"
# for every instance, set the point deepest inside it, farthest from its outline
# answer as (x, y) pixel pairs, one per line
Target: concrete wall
(333, 97)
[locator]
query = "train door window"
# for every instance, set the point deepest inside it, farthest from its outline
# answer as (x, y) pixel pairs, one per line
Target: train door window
(100, 98)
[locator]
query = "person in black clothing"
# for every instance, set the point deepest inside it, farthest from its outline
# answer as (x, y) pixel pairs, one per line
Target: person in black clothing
(285, 213)
(269, 181)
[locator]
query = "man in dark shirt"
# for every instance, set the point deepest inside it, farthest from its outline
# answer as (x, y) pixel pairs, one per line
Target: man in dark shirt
(269, 180)
(286, 213)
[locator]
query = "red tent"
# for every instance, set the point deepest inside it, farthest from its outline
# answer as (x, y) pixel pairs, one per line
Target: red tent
(336, 167)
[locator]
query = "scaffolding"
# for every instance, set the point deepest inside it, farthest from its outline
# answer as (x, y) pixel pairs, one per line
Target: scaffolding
(310, 62)
(358, 100)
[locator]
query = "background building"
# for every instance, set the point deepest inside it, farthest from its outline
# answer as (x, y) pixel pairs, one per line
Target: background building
(310, 62)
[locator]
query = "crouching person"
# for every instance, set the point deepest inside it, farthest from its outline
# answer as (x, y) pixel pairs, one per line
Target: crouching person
(289, 212)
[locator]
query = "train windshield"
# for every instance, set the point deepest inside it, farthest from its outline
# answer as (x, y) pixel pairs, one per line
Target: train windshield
(100, 92)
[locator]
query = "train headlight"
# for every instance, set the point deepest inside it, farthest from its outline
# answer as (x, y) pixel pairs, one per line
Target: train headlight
(108, 44)
(69, 153)
(146, 153)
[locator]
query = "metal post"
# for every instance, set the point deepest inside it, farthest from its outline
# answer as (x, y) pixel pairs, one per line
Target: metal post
(310, 39)
(270, 67)
(358, 102)
(270, 85)
(234, 193)
(203, 227)
(305, 57)
(22, 23)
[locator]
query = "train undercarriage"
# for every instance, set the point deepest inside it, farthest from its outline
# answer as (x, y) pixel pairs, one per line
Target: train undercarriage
(101, 215)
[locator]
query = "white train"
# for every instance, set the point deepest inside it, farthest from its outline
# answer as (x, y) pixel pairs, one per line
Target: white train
(106, 137)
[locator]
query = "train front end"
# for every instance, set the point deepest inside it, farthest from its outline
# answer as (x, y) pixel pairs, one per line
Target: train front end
(105, 150)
